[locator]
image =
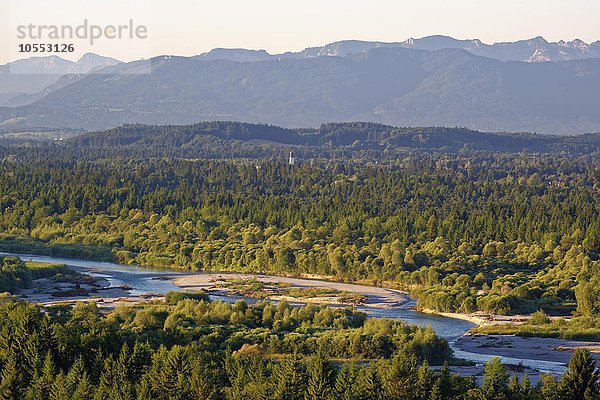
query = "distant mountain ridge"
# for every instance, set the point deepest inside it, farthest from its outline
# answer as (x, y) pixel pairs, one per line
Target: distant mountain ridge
(394, 86)
(24, 81)
(529, 50)
(411, 83)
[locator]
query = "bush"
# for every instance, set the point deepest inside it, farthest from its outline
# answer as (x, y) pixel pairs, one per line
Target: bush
(176, 297)
(539, 318)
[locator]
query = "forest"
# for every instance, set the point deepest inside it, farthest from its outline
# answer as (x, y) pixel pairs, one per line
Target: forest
(192, 348)
(498, 233)
(463, 229)
(219, 139)
(348, 141)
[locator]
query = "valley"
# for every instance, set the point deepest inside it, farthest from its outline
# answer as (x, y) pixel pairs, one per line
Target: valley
(235, 204)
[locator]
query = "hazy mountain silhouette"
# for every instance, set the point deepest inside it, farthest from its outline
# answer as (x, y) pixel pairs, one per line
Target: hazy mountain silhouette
(530, 50)
(346, 81)
(24, 81)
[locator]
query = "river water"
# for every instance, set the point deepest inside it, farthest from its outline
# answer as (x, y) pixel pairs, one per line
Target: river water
(143, 280)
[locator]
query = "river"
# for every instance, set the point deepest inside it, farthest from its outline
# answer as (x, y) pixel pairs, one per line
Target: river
(143, 280)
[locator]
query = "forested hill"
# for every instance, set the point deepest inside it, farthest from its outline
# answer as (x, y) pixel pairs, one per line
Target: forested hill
(215, 139)
(177, 136)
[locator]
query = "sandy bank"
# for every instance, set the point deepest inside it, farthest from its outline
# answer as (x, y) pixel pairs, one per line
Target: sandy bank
(310, 300)
(47, 292)
(481, 318)
(106, 303)
(474, 318)
(545, 349)
(377, 297)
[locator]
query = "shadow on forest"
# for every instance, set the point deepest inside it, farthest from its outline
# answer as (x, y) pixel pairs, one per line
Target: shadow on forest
(25, 245)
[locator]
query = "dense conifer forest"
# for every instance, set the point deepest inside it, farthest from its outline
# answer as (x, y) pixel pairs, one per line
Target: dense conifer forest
(197, 349)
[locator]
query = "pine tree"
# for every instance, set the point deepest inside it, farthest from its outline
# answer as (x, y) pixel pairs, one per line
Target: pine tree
(289, 379)
(345, 381)
(257, 387)
(526, 388)
(205, 381)
(445, 381)
(236, 370)
(495, 380)
(580, 382)
(514, 387)
(10, 379)
(319, 379)
(424, 379)
(84, 389)
(436, 391)
(369, 384)
(400, 376)
(75, 375)
(140, 360)
(175, 374)
(144, 390)
(42, 381)
(548, 387)
(114, 383)
(60, 390)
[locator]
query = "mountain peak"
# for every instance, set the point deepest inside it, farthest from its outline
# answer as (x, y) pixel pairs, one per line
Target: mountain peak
(539, 39)
(93, 56)
(40, 65)
(91, 62)
(235, 54)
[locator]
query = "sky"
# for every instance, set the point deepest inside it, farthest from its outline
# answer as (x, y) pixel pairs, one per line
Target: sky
(190, 27)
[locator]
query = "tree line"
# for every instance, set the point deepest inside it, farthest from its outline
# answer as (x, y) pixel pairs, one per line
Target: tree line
(191, 348)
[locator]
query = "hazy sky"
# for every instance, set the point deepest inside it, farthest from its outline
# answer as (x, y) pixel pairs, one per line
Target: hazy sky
(188, 27)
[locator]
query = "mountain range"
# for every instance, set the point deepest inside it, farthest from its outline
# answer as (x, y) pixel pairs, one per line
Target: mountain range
(24, 81)
(530, 85)
(530, 50)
